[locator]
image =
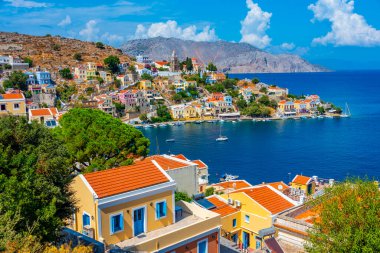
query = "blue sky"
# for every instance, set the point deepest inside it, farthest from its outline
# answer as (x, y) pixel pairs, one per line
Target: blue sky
(339, 34)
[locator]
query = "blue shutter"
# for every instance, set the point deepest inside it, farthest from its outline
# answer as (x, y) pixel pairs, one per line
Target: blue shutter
(113, 225)
(157, 210)
(164, 209)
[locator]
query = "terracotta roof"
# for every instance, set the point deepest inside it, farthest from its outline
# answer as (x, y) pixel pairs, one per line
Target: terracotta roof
(166, 163)
(182, 157)
(279, 185)
(298, 179)
(222, 208)
(126, 178)
(273, 245)
(274, 202)
(237, 184)
(282, 102)
(291, 229)
(12, 96)
(201, 164)
(44, 112)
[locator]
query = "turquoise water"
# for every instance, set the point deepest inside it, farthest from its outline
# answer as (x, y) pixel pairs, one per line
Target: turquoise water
(268, 151)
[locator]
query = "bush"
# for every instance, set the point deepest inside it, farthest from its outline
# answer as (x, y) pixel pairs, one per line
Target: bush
(77, 57)
(99, 45)
(209, 191)
(56, 47)
(66, 73)
(182, 196)
(29, 61)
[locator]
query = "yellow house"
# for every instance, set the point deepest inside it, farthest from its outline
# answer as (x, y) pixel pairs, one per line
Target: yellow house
(12, 104)
(133, 207)
(258, 206)
(190, 112)
(145, 85)
(303, 183)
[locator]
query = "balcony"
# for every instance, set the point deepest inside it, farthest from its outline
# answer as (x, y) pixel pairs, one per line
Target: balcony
(193, 221)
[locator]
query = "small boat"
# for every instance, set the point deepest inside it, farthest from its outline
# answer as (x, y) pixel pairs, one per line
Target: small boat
(234, 121)
(320, 116)
(210, 121)
(346, 113)
(170, 140)
(198, 122)
(329, 116)
(227, 177)
(303, 117)
(254, 120)
(162, 125)
(221, 137)
(172, 124)
(147, 126)
(221, 120)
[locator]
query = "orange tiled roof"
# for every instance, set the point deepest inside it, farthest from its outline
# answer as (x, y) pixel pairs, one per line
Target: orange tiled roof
(222, 208)
(12, 96)
(282, 102)
(126, 178)
(291, 229)
(237, 184)
(298, 179)
(44, 112)
(201, 164)
(279, 185)
(166, 163)
(272, 201)
(180, 156)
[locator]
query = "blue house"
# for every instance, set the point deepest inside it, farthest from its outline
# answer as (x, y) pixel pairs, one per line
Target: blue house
(228, 100)
(43, 77)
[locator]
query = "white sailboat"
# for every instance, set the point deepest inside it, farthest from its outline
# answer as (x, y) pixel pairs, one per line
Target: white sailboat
(221, 137)
(346, 113)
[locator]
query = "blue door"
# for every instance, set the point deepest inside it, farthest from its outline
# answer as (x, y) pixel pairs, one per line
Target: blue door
(245, 240)
(234, 238)
(138, 221)
(202, 247)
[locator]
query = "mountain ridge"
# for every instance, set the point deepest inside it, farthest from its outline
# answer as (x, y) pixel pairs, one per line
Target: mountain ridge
(235, 57)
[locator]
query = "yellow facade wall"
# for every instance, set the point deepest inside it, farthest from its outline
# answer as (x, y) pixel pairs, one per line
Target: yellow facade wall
(9, 104)
(304, 187)
(84, 203)
(127, 211)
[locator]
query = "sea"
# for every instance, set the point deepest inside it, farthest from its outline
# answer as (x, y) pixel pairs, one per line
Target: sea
(278, 150)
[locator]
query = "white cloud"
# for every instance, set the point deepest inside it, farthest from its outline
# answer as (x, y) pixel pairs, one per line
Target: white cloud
(347, 28)
(170, 29)
(26, 4)
(112, 39)
(254, 26)
(66, 21)
(90, 32)
(287, 46)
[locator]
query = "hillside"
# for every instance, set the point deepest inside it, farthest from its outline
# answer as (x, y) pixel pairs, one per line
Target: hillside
(237, 57)
(53, 52)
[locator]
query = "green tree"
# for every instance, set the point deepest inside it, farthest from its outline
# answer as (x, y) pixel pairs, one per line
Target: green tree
(64, 92)
(29, 61)
(209, 191)
(177, 98)
(112, 62)
(264, 90)
(99, 45)
(34, 179)
(56, 47)
(77, 57)
(255, 80)
(132, 69)
(16, 80)
(321, 110)
(264, 100)
(229, 83)
(98, 141)
(163, 114)
(143, 117)
(182, 196)
(241, 103)
(66, 74)
(348, 218)
(146, 76)
(211, 67)
(189, 64)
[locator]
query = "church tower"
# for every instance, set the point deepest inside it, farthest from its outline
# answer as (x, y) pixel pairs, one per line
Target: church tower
(174, 64)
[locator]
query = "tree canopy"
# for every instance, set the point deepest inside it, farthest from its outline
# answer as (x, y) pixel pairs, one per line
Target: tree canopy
(348, 219)
(112, 62)
(65, 73)
(34, 180)
(211, 67)
(16, 80)
(98, 141)
(146, 76)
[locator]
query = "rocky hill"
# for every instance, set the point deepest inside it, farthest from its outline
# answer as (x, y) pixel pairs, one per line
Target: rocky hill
(237, 57)
(53, 52)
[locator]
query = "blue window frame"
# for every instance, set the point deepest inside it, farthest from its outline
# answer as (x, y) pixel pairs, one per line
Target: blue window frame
(246, 218)
(234, 223)
(117, 223)
(161, 209)
(86, 219)
(202, 246)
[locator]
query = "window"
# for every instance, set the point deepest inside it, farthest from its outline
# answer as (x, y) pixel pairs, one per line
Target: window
(202, 246)
(246, 218)
(3, 108)
(160, 209)
(86, 219)
(117, 223)
(16, 106)
(234, 223)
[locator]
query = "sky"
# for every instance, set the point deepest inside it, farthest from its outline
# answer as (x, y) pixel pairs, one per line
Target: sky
(338, 34)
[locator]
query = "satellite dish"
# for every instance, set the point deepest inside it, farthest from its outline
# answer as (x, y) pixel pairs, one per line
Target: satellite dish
(280, 187)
